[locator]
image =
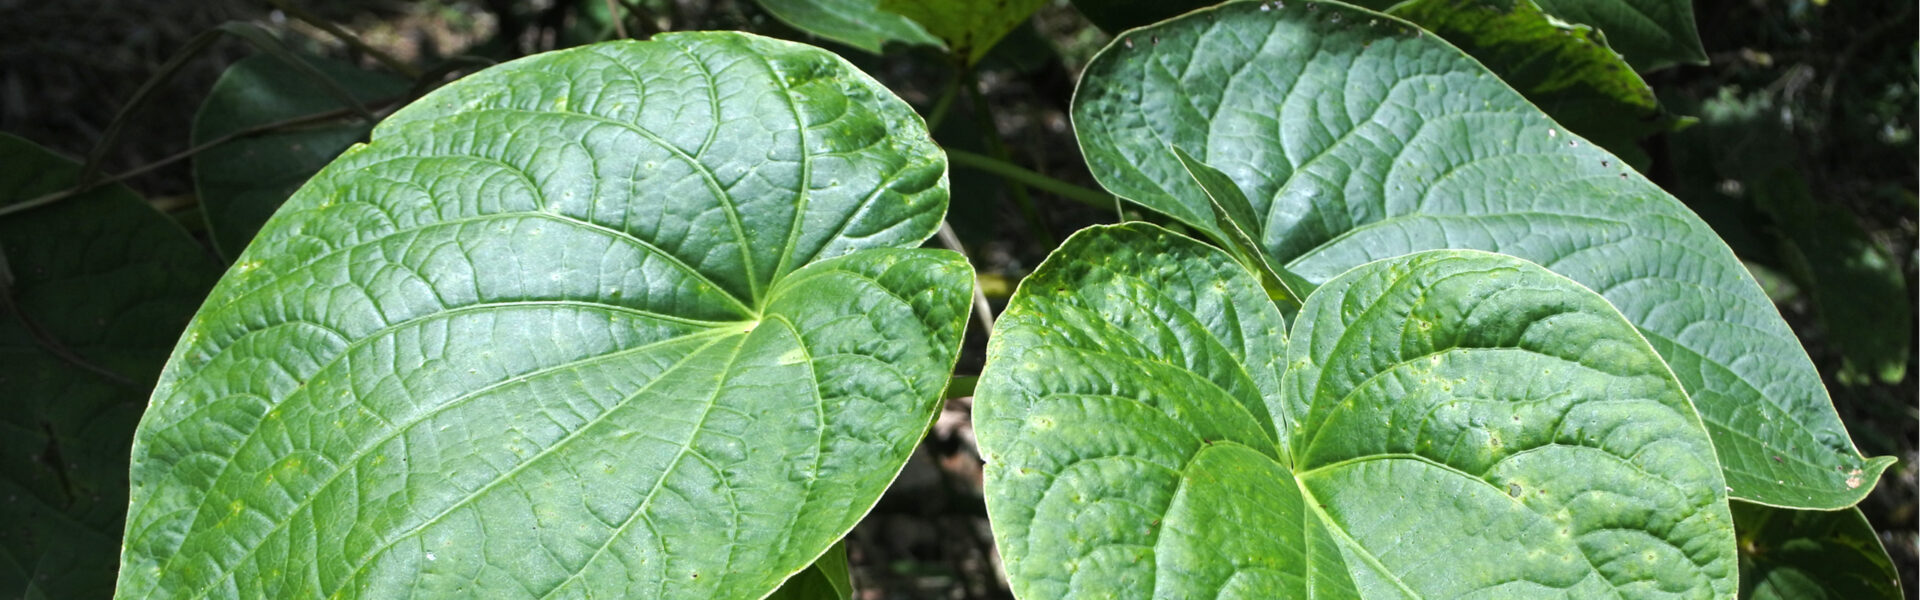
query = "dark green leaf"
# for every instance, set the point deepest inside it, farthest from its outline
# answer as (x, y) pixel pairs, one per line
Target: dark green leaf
(1852, 279)
(637, 319)
(242, 181)
(1565, 69)
(862, 24)
(1357, 137)
(1444, 424)
(827, 579)
(1117, 15)
(100, 287)
(1811, 555)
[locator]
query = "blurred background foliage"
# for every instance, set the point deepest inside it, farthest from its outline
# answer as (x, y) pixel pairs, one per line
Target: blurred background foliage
(1803, 158)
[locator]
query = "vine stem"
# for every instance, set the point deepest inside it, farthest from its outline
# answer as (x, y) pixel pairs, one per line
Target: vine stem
(52, 197)
(981, 309)
(1096, 199)
(397, 65)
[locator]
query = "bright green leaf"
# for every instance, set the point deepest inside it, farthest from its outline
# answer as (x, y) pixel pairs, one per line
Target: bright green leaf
(100, 287)
(970, 27)
(862, 24)
(1811, 555)
(1565, 69)
(637, 319)
(1357, 137)
(1444, 424)
(242, 181)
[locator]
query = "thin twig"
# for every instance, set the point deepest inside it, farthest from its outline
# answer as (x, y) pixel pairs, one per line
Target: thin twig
(981, 308)
(619, 20)
(397, 65)
(84, 187)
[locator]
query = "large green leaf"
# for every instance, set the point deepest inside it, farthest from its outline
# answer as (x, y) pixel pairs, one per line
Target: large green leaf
(638, 319)
(1445, 424)
(1811, 555)
(1565, 69)
(93, 291)
(242, 181)
(970, 27)
(862, 24)
(1356, 137)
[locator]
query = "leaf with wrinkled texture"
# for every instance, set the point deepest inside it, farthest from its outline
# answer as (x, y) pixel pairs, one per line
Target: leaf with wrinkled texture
(637, 319)
(101, 286)
(1811, 555)
(1357, 137)
(242, 181)
(862, 24)
(1565, 69)
(1445, 424)
(970, 27)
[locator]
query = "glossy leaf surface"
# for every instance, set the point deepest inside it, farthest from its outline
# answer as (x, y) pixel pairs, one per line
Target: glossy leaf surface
(862, 24)
(1446, 424)
(93, 291)
(637, 319)
(1356, 137)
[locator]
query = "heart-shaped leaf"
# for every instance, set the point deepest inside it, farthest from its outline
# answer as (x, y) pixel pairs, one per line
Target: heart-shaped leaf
(1445, 424)
(1356, 137)
(637, 319)
(93, 290)
(243, 180)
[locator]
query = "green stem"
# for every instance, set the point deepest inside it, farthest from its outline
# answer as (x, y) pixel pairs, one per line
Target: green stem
(983, 113)
(1096, 199)
(944, 105)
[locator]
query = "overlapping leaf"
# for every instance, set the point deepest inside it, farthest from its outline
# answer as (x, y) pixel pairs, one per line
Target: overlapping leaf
(1356, 137)
(970, 27)
(1446, 424)
(93, 291)
(639, 319)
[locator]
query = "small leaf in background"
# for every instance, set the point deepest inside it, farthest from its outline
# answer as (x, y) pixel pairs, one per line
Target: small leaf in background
(970, 27)
(1741, 160)
(636, 319)
(1811, 555)
(1438, 425)
(1652, 34)
(101, 287)
(863, 24)
(1356, 137)
(243, 180)
(1565, 69)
